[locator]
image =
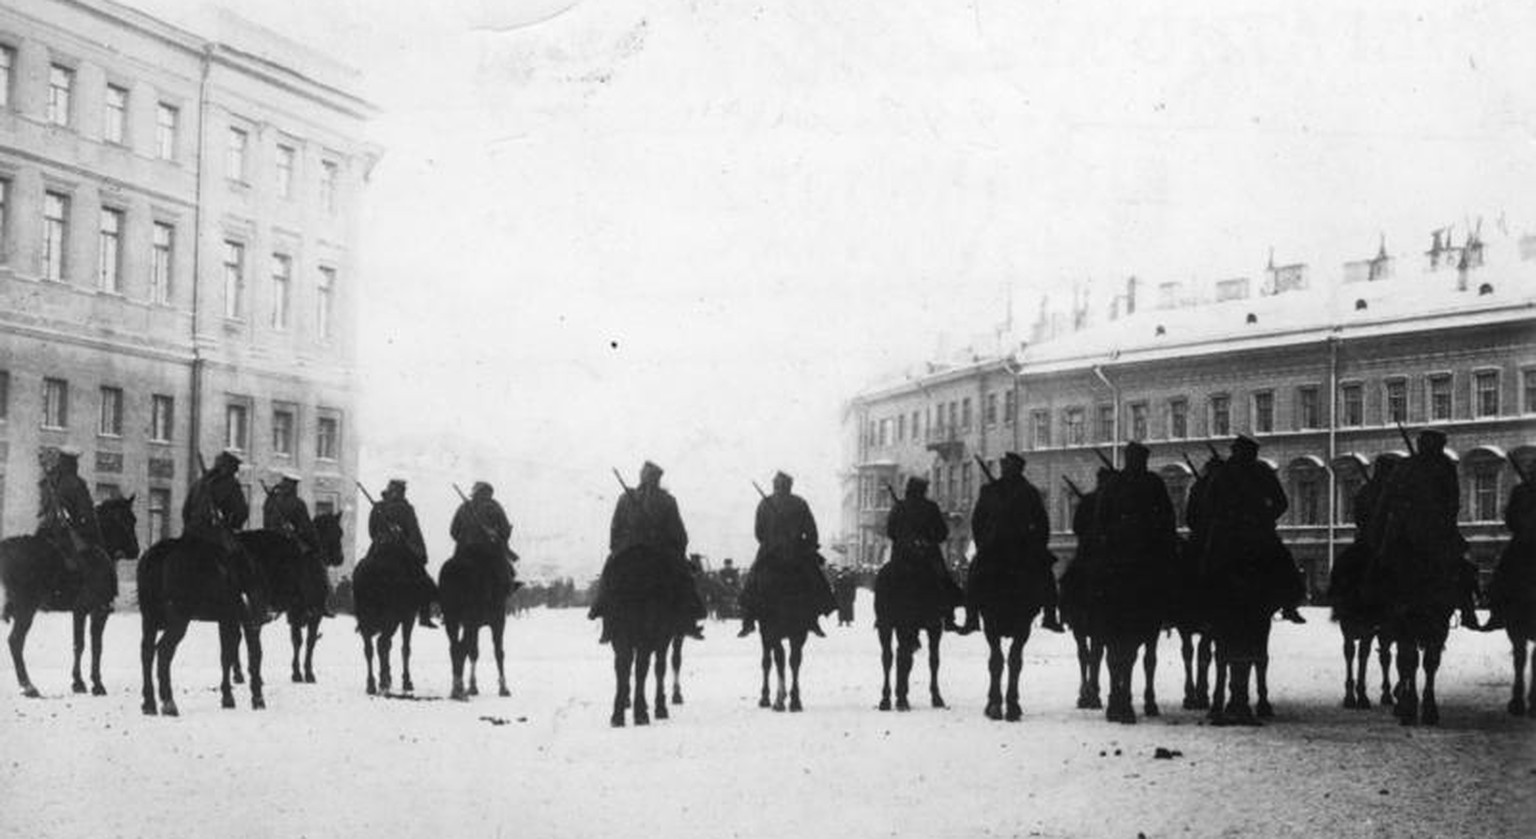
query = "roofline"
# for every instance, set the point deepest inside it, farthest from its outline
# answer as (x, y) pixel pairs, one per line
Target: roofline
(931, 379)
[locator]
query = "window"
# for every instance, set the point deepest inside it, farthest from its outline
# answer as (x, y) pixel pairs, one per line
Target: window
(159, 515)
(325, 291)
(1485, 491)
(1010, 406)
(1076, 426)
(5, 204)
(1352, 403)
(282, 274)
(1485, 393)
(114, 126)
(61, 86)
(111, 422)
(7, 65)
(915, 430)
(108, 491)
(1528, 377)
(55, 403)
(1349, 483)
(164, 243)
(1439, 397)
(325, 504)
(883, 437)
(1221, 416)
(327, 436)
(965, 414)
(234, 280)
(1308, 495)
(285, 158)
(167, 118)
(234, 158)
(989, 413)
(55, 234)
(237, 429)
(1178, 419)
(1264, 411)
(951, 491)
(901, 427)
(1397, 400)
(954, 420)
(1308, 408)
(162, 418)
(282, 431)
(109, 252)
(1106, 424)
(1138, 421)
(1041, 422)
(5, 395)
(329, 172)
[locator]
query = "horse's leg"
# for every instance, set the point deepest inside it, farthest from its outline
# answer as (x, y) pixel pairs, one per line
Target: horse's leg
(1350, 699)
(1095, 662)
(1121, 653)
(98, 629)
(1384, 657)
(406, 626)
(498, 630)
(1219, 689)
(296, 636)
(1362, 664)
(1187, 652)
(373, 686)
(906, 648)
(677, 670)
(165, 653)
(1261, 708)
(18, 640)
(252, 629)
(147, 633)
(1518, 655)
(1407, 680)
(1014, 712)
(782, 693)
(78, 683)
(623, 660)
(1204, 652)
(1149, 672)
(229, 641)
(937, 699)
(1081, 642)
(994, 708)
(661, 680)
(796, 650)
(884, 633)
(1530, 707)
(311, 635)
(1430, 709)
(643, 653)
(386, 643)
(762, 700)
(456, 655)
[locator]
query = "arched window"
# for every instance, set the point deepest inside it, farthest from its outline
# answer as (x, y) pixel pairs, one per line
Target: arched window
(1308, 481)
(1177, 477)
(1482, 473)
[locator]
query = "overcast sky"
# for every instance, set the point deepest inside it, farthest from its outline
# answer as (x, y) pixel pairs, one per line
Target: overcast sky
(689, 230)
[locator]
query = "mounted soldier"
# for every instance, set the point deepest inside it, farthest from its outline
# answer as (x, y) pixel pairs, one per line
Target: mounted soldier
(479, 523)
(392, 521)
(916, 528)
(285, 512)
(787, 562)
(214, 511)
(1243, 503)
(1135, 522)
(66, 514)
(1416, 515)
(1012, 533)
(1513, 586)
(646, 521)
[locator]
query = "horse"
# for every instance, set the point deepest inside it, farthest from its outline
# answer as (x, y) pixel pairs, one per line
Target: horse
(36, 576)
(909, 599)
(1359, 621)
(1522, 633)
(308, 607)
(473, 595)
(185, 579)
(789, 602)
(642, 612)
(1007, 593)
(389, 594)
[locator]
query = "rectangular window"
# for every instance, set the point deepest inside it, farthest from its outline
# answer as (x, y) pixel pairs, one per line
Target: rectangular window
(7, 66)
(1264, 411)
(915, 430)
(1528, 379)
(111, 422)
(1485, 492)
(883, 434)
(954, 417)
(234, 280)
(1352, 403)
(1138, 421)
(1485, 393)
(61, 86)
(162, 418)
(105, 492)
(325, 504)
(901, 427)
(55, 234)
(114, 127)
(1221, 416)
(55, 403)
(965, 414)
(1106, 423)
(5, 395)
(109, 274)
(282, 431)
(325, 291)
(1308, 408)
(282, 275)
(1439, 398)
(965, 482)
(1010, 406)
(329, 172)
(1041, 422)
(285, 158)
(237, 428)
(1178, 419)
(5, 205)
(1307, 498)
(234, 158)
(164, 244)
(159, 515)
(167, 118)
(990, 414)
(1076, 427)
(1348, 483)
(1397, 400)
(951, 490)
(327, 437)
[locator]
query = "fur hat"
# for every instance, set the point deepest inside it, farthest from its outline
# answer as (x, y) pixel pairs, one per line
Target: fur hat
(1014, 457)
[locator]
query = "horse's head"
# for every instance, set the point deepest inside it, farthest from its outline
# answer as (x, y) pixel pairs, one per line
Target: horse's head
(328, 528)
(119, 527)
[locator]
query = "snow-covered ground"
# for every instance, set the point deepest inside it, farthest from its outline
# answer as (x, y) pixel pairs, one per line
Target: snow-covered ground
(326, 760)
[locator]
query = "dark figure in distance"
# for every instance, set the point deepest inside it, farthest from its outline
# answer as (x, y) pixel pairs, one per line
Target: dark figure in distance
(1011, 528)
(482, 521)
(787, 539)
(285, 512)
(393, 521)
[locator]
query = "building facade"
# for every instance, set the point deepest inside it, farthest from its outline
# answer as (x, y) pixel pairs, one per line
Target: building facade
(1321, 377)
(178, 267)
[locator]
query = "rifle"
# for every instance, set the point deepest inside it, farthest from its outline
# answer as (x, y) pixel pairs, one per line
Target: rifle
(1108, 464)
(894, 499)
(1525, 477)
(759, 489)
(1215, 455)
(1074, 487)
(202, 466)
(984, 469)
(394, 529)
(475, 514)
(1407, 441)
(265, 490)
(1188, 461)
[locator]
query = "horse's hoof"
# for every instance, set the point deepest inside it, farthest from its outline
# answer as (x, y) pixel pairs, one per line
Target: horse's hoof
(30, 692)
(459, 695)
(149, 709)
(298, 678)
(1516, 707)
(1263, 710)
(885, 704)
(617, 720)
(98, 689)
(1430, 714)
(407, 687)
(1351, 703)
(994, 710)
(1531, 711)
(168, 709)
(795, 706)
(78, 686)
(373, 689)
(662, 713)
(902, 704)
(258, 703)
(1192, 704)
(1151, 710)
(677, 698)
(474, 690)
(642, 717)
(1363, 704)
(309, 678)
(503, 692)
(938, 702)
(778, 706)
(1015, 713)
(764, 703)
(238, 678)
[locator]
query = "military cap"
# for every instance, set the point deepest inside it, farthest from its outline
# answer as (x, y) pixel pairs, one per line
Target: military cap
(1244, 441)
(396, 483)
(1432, 437)
(1014, 457)
(781, 477)
(482, 488)
(1135, 447)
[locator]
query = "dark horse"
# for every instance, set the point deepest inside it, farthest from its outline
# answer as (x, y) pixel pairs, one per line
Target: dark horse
(1360, 622)
(35, 576)
(307, 606)
(642, 612)
(786, 610)
(389, 593)
(473, 595)
(181, 580)
(1007, 595)
(909, 599)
